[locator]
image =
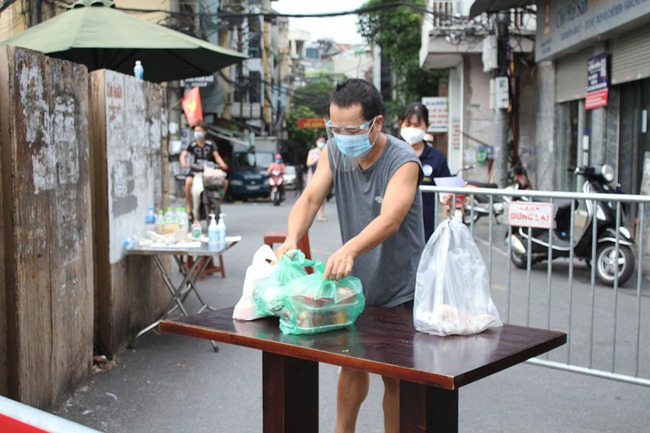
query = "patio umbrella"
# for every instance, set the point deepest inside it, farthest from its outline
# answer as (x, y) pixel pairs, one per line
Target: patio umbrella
(95, 34)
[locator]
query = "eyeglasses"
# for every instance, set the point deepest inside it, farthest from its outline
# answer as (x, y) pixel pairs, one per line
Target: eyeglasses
(351, 130)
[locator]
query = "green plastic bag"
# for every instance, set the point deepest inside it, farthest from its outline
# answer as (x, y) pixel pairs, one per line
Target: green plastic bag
(267, 296)
(313, 305)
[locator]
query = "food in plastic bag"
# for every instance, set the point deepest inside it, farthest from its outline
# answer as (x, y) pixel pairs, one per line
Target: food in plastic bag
(267, 296)
(452, 291)
(313, 305)
(259, 270)
(213, 177)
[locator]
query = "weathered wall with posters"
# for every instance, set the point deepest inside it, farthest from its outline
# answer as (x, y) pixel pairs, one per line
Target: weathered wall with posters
(3, 296)
(128, 123)
(47, 225)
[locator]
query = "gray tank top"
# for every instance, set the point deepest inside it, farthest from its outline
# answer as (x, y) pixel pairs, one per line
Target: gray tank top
(388, 271)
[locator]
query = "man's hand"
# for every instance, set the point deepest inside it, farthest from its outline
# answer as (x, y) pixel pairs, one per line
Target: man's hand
(285, 248)
(339, 265)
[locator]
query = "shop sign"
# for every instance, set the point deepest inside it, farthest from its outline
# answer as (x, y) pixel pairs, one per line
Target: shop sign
(311, 123)
(536, 215)
(438, 113)
(199, 81)
(597, 82)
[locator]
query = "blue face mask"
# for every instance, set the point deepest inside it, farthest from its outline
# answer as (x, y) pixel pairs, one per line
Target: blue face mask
(354, 146)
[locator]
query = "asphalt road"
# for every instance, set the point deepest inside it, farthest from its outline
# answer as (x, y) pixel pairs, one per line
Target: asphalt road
(171, 383)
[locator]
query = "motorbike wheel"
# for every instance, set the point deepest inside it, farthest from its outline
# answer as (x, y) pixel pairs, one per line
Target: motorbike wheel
(276, 198)
(519, 260)
(211, 204)
(606, 262)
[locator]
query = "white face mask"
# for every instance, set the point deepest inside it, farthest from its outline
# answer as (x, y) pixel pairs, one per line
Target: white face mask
(199, 135)
(412, 135)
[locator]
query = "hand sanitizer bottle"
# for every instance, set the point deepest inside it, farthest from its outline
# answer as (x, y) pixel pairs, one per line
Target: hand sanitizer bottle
(221, 231)
(212, 231)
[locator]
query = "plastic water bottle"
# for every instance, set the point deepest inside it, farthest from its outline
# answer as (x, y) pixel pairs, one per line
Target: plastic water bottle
(221, 231)
(171, 224)
(212, 231)
(150, 220)
(130, 242)
(160, 222)
(196, 230)
(182, 224)
(138, 70)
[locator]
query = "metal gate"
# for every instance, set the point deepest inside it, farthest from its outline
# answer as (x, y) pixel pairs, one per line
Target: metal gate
(608, 327)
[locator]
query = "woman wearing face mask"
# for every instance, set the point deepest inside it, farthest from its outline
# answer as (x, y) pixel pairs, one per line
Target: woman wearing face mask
(201, 149)
(413, 126)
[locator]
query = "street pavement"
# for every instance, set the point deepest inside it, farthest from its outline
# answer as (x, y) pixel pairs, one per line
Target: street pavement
(171, 383)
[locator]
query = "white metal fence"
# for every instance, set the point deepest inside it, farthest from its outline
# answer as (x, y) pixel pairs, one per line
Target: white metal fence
(608, 326)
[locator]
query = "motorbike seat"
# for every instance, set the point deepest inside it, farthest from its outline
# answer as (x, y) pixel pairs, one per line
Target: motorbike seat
(482, 184)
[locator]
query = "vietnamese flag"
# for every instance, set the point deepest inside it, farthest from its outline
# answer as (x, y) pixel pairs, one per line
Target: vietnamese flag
(192, 106)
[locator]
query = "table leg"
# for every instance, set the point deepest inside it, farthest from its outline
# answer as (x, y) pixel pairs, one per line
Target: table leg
(190, 280)
(426, 409)
(290, 392)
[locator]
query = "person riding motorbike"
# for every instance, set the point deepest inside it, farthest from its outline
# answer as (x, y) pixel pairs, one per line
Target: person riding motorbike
(202, 149)
(277, 168)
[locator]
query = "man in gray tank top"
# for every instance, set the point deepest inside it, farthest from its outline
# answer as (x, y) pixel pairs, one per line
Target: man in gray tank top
(376, 179)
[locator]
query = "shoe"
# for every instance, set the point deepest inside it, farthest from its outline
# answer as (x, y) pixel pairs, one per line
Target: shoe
(322, 218)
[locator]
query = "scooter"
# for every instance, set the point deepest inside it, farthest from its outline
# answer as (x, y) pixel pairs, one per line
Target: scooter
(478, 205)
(205, 193)
(612, 263)
(276, 181)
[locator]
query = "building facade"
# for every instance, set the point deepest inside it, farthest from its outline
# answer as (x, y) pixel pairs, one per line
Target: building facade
(600, 52)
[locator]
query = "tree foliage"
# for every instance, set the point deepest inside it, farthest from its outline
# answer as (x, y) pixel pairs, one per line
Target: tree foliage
(315, 95)
(300, 140)
(397, 30)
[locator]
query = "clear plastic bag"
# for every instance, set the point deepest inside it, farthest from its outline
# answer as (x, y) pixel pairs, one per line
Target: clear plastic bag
(267, 296)
(452, 291)
(260, 269)
(313, 305)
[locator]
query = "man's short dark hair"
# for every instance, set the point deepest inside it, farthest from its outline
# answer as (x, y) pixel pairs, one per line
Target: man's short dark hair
(357, 91)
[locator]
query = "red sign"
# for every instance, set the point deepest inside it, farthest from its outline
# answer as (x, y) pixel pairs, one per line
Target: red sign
(597, 99)
(311, 123)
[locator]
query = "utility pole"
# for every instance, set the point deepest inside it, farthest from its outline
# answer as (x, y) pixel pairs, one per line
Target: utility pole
(501, 25)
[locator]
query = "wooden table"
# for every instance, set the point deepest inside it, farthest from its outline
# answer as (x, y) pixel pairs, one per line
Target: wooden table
(204, 253)
(382, 341)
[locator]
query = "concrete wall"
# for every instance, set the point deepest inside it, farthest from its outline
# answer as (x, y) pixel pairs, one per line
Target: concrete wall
(539, 155)
(129, 134)
(48, 275)
(478, 119)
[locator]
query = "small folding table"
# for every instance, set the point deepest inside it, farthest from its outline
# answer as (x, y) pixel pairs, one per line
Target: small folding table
(180, 292)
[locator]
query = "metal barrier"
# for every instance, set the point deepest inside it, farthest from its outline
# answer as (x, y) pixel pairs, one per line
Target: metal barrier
(607, 326)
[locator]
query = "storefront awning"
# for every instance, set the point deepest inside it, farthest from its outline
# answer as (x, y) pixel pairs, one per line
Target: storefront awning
(481, 6)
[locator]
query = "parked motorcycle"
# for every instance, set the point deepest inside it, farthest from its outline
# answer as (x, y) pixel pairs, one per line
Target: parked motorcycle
(478, 205)
(276, 182)
(610, 262)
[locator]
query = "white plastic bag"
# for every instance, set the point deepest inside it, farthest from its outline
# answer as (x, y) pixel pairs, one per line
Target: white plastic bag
(452, 291)
(259, 270)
